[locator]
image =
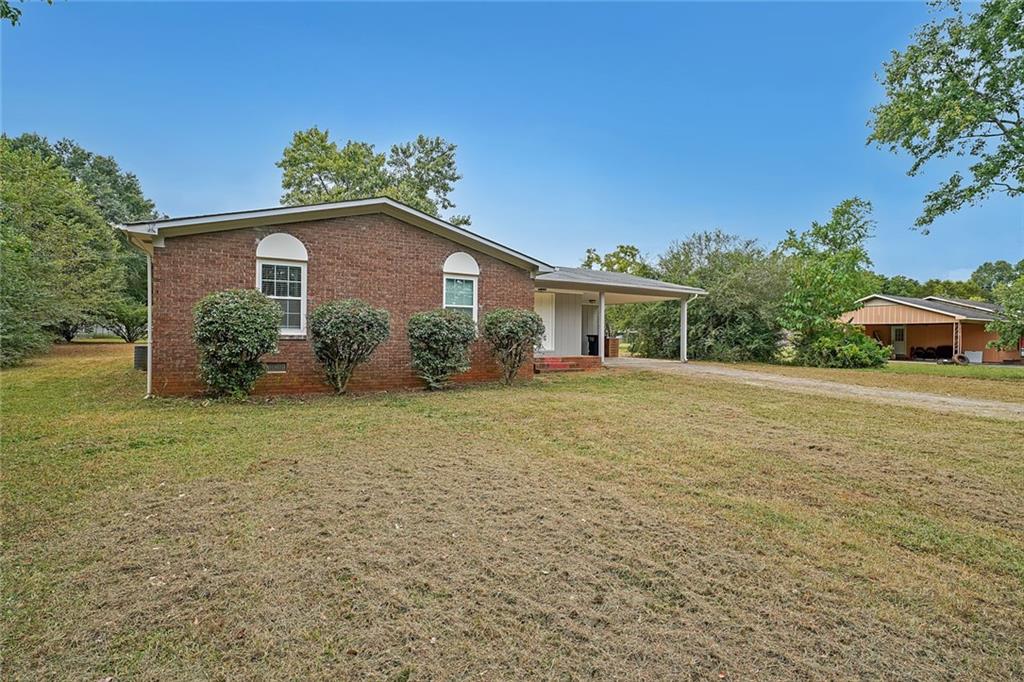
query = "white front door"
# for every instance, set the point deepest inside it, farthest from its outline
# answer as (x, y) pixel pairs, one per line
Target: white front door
(544, 305)
(899, 340)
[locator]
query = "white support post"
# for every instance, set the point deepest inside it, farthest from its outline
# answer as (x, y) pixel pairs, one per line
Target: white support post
(600, 326)
(149, 325)
(683, 328)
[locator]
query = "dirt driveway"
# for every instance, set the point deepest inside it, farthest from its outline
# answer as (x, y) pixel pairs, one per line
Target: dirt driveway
(927, 401)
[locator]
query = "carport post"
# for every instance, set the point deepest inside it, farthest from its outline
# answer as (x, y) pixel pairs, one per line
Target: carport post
(683, 305)
(600, 326)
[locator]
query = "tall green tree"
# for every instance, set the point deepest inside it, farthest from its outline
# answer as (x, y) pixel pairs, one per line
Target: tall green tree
(63, 255)
(28, 299)
(625, 258)
(958, 90)
(1010, 327)
(11, 13)
(738, 320)
(116, 194)
(952, 288)
(421, 173)
(829, 270)
(989, 275)
(899, 285)
(828, 274)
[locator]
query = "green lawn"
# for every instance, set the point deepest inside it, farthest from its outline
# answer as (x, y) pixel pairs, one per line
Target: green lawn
(602, 526)
(986, 382)
(987, 372)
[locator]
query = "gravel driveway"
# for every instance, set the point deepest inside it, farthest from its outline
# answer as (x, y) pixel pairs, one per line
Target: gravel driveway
(927, 401)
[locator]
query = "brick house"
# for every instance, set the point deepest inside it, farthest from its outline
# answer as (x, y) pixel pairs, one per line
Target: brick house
(378, 250)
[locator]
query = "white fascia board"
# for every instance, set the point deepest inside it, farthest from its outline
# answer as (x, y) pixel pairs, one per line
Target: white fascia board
(667, 293)
(912, 305)
(276, 216)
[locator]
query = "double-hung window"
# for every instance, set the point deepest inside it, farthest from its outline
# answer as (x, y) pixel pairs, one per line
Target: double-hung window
(461, 281)
(460, 294)
(281, 275)
(284, 282)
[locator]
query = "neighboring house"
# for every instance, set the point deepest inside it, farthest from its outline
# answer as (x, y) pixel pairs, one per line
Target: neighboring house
(378, 250)
(931, 327)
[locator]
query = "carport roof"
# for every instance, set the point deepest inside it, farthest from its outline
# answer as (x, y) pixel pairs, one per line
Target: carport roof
(619, 282)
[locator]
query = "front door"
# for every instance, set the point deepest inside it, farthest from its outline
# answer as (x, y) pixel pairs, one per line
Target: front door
(544, 305)
(899, 340)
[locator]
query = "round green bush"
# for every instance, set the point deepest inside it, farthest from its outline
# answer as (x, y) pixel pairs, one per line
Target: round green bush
(439, 341)
(233, 329)
(512, 334)
(345, 334)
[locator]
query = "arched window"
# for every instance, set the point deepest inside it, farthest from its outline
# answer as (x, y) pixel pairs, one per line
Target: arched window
(281, 275)
(461, 281)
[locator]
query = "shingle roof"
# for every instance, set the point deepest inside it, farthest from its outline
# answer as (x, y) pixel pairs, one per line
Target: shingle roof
(984, 305)
(941, 307)
(283, 214)
(603, 278)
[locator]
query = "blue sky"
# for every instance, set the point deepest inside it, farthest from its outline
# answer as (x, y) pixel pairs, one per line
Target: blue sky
(578, 125)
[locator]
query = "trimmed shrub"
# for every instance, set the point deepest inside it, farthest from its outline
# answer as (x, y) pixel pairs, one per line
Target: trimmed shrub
(127, 320)
(843, 347)
(233, 329)
(439, 340)
(345, 334)
(512, 333)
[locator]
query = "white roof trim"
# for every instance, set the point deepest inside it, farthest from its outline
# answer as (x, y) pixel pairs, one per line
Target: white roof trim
(912, 305)
(285, 214)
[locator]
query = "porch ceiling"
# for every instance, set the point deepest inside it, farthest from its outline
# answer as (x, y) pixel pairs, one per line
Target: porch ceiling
(625, 287)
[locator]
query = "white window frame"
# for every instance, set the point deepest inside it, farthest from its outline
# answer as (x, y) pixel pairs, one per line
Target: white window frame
(285, 331)
(475, 279)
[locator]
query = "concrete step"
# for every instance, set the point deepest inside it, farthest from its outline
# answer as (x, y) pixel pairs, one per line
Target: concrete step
(555, 363)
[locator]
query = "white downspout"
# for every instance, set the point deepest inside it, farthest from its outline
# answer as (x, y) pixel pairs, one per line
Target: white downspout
(149, 326)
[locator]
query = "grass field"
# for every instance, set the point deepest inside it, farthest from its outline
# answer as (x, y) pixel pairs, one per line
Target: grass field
(601, 526)
(987, 382)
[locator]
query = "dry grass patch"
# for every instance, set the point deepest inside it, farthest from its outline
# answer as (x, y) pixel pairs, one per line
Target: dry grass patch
(617, 525)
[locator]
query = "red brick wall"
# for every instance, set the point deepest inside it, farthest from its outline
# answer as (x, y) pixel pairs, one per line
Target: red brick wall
(377, 258)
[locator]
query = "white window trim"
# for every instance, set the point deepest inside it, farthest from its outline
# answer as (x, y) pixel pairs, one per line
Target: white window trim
(260, 262)
(476, 291)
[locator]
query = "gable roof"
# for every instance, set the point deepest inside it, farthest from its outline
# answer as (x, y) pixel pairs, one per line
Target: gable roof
(152, 232)
(953, 310)
(584, 278)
